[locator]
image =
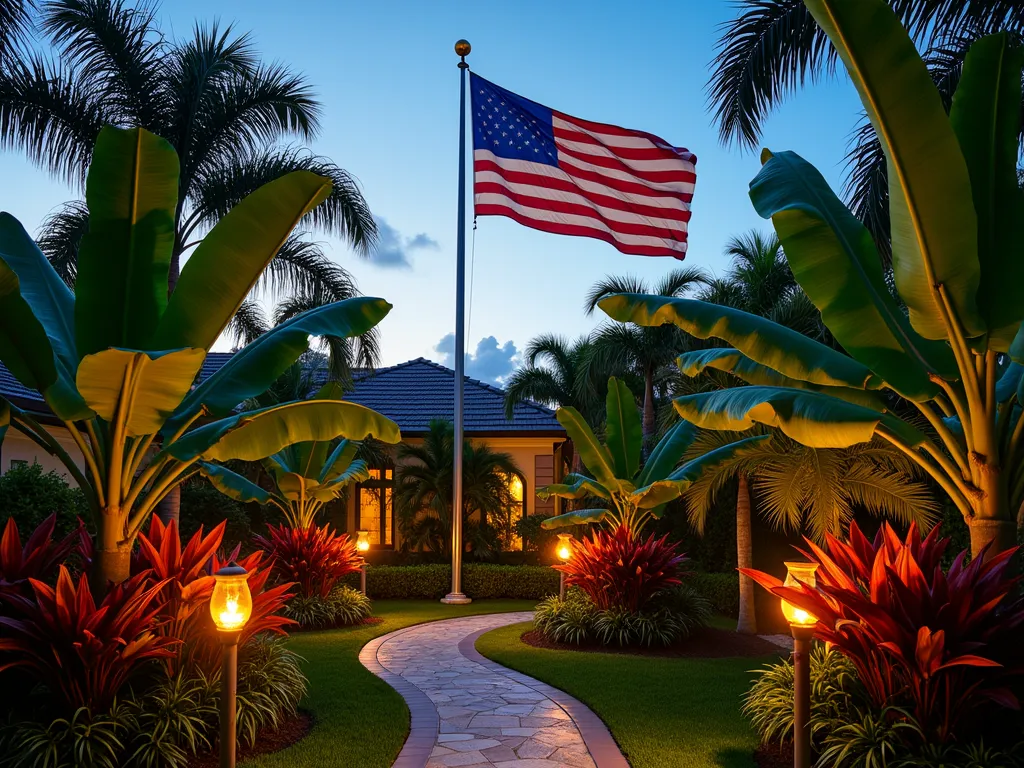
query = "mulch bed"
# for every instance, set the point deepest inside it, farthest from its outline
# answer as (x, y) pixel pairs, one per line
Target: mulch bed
(710, 643)
(291, 731)
(370, 621)
(774, 756)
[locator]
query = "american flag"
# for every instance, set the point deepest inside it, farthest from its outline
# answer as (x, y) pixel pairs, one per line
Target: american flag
(561, 174)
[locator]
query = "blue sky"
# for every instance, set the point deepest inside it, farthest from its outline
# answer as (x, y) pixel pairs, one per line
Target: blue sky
(385, 72)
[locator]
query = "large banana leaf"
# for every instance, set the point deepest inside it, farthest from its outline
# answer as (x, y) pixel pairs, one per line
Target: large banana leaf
(781, 349)
(232, 484)
(1007, 385)
(834, 258)
(623, 432)
(226, 264)
(132, 193)
(254, 435)
(986, 119)
(576, 517)
(574, 487)
(667, 453)
(735, 362)
(663, 491)
(255, 367)
(37, 322)
(810, 418)
(356, 472)
(593, 454)
(934, 227)
(339, 461)
(1017, 346)
(156, 383)
(310, 457)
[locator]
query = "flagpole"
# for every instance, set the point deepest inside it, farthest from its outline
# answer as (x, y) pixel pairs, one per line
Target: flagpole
(455, 597)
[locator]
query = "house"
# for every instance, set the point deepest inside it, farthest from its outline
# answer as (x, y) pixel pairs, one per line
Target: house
(411, 394)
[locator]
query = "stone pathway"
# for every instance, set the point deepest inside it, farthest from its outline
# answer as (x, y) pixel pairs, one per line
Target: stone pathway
(469, 711)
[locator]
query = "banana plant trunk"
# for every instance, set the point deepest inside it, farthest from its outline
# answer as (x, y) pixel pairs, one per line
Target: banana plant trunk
(747, 621)
(993, 528)
(111, 562)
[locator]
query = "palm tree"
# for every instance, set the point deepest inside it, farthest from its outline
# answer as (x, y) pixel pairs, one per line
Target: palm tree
(802, 488)
(557, 372)
(423, 490)
(224, 111)
(645, 350)
(774, 46)
(15, 21)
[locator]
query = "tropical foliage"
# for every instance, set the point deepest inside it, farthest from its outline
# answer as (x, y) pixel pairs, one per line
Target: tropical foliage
(116, 360)
(941, 646)
(629, 495)
(315, 559)
(424, 481)
(955, 216)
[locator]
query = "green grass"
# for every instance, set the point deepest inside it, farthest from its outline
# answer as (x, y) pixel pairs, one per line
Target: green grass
(661, 711)
(360, 720)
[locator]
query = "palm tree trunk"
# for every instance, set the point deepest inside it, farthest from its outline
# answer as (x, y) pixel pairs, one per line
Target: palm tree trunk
(747, 622)
(650, 425)
(169, 507)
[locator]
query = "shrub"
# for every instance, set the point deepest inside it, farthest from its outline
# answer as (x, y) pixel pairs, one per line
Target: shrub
(620, 570)
(29, 495)
(270, 685)
(203, 506)
(37, 559)
(479, 580)
(315, 558)
(835, 691)
(343, 607)
(722, 590)
(535, 538)
(82, 739)
(689, 609)
(942, 646)
(566, 621)
(174, 718)
(98, 646)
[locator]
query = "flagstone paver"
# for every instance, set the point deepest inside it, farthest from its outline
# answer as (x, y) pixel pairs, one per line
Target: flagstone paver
(469, 711)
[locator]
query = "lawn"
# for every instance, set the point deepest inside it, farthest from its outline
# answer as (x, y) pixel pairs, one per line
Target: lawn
(360, 720)
(661, 711)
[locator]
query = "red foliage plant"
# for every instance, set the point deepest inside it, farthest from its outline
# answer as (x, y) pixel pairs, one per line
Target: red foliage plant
(37, 559)
(945, 644)
(315, 558)
(186, 576)
(82, 651)
(619, 569)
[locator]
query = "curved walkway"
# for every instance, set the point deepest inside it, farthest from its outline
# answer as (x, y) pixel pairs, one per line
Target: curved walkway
(469, 711)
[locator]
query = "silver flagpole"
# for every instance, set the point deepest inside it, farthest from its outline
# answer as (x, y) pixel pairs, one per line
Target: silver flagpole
(455, 597)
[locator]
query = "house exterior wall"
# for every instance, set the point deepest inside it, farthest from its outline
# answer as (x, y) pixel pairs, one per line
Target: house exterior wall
(16, 448)
(533, 455)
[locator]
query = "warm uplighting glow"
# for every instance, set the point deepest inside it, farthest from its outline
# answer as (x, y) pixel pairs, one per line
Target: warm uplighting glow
(564, 550)
(363, 542)
(231, 602)
(799, 573)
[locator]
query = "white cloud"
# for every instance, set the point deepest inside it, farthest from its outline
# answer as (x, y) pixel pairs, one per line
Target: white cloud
(491, 362)
(393, 249)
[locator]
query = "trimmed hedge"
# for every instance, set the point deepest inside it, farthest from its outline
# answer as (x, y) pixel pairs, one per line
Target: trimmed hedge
(721, 589)
(479, 580)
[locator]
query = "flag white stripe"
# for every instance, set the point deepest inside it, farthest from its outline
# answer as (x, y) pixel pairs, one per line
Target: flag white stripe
(612, 140)
(547, 193)
(596, 150)
(543, 169)
(540, 214)
(679, 187)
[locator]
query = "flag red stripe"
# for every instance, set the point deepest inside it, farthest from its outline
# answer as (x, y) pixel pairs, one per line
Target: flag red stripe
(632, 187)
(573, 229)
(611, 130)
(577, 209)
(618, 165)
(567, 185)
(630, 153)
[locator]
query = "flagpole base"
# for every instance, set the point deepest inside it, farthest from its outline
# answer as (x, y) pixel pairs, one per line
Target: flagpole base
(456, 598)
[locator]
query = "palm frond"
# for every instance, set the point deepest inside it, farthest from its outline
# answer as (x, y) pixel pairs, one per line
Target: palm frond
(699, 498)
(891, 494)
(866, 188)
(15, 24)
(248, 323)
(538, 385)
(680, 282)
(303, 268)
(52, 114)
(59, 237)
(609, 285)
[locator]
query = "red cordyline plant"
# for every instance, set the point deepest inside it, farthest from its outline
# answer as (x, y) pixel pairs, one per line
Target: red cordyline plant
(37, 559)
(82, 651)
(944, 643)
(314, 558)
(619, 569)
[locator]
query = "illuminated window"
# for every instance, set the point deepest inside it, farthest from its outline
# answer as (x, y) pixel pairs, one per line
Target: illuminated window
(374, 509)
(510, 538)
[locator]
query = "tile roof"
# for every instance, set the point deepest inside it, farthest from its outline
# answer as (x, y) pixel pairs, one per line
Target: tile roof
(411, 394)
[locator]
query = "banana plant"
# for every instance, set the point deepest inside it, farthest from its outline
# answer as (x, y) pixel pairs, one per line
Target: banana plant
(306, 475)
(116, 360)
(630, 495)
(956, 355)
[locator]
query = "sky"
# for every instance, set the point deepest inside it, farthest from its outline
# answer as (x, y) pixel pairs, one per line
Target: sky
(386, 74)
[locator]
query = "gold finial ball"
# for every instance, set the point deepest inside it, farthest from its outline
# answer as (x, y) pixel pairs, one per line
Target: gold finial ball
(462, 48)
